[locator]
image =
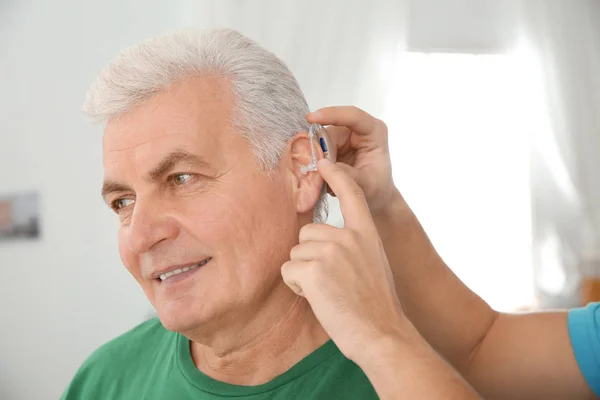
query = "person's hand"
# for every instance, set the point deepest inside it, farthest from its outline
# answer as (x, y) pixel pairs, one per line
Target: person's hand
(344, 273)
(362, 151)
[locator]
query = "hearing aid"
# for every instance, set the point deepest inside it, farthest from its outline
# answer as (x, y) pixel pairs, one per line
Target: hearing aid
(317, 133)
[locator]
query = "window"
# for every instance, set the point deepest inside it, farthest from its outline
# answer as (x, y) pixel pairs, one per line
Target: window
(460, 154)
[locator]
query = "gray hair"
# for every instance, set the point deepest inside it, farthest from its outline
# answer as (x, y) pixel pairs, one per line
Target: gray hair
(270, 107)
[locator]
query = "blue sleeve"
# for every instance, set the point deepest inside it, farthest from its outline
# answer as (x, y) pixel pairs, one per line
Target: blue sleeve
(584, 330)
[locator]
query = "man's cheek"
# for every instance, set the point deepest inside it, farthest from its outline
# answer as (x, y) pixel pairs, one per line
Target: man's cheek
(209, 214)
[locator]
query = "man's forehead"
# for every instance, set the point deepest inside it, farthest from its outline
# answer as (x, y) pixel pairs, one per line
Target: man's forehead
(130, 140)
(186, 111)
(183, 117)
(126, 143)
(139, 154)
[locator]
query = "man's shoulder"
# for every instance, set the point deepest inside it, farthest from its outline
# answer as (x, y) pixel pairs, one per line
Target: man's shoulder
(115, 360)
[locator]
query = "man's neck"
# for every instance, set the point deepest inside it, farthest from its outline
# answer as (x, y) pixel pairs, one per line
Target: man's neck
(279, 336)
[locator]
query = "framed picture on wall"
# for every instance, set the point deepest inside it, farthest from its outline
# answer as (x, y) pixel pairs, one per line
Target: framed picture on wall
(19, 216)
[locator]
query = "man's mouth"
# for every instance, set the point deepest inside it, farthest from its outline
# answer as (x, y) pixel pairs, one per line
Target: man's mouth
(178, 271)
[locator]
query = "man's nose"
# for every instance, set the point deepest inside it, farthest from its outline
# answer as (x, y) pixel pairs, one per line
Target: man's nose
(150, 225)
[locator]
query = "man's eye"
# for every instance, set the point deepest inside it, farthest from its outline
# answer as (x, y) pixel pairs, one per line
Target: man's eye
(120, 204)
(181, 179)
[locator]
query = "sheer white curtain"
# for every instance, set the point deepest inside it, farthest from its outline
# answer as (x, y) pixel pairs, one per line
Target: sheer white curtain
(460, 156)
(499, 155)
(333, 47)
(564, 40)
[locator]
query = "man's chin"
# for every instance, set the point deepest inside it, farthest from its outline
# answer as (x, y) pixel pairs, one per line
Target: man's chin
(177, 320)
(186, 319)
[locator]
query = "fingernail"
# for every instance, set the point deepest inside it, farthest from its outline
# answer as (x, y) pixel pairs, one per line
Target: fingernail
(324, 161)
(316, 114)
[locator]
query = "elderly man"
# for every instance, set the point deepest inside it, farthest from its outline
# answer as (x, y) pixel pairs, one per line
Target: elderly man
(204, 143)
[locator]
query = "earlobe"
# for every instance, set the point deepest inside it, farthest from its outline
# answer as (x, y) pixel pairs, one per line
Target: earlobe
(308, 184)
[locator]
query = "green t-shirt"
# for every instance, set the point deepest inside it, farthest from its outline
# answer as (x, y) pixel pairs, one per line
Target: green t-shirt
(150, 362)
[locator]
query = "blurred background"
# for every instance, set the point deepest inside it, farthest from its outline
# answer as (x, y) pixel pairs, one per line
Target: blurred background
(493, 111)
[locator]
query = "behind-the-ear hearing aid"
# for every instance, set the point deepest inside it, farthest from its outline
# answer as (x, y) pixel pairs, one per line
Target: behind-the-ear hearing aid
(317, 133)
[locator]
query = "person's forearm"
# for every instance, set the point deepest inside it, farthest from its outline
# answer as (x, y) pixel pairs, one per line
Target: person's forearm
(405, 366)
(501, 355)
(452, 318)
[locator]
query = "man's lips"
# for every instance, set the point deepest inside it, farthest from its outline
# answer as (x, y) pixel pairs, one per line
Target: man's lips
(168, 272)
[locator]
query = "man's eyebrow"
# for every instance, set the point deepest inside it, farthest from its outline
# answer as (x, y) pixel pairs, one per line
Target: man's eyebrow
(109, 187)
(164, 166)
(170, 161)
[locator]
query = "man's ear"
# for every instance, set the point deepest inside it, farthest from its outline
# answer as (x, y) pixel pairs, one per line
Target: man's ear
(307, 187)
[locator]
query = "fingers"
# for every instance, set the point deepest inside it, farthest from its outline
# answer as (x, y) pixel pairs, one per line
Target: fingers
(318, 233)
(352, 199)
(351, 117)
(340, 136)
(295, 274)
(308, 261)
(316, 251)
(349, 170)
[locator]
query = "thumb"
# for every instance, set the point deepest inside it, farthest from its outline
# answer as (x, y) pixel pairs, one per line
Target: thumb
(348, 169)
(352, 199)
